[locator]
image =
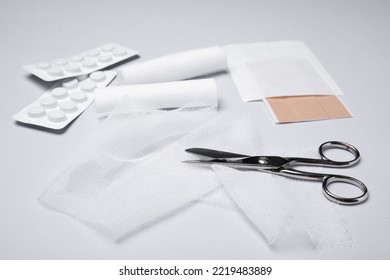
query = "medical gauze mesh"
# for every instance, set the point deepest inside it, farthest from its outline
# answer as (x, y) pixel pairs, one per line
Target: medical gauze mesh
(126, 177)
(118, 185)
(279, 206)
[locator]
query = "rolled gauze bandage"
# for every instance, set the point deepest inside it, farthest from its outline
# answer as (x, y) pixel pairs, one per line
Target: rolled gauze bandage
(158, 95)
(175, 67)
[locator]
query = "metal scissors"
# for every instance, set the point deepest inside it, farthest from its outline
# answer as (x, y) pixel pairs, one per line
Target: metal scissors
(282, 166)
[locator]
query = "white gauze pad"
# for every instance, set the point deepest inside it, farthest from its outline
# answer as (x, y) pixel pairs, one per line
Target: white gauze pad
(82, 63)
(174, 67)
(62, 103)
(113, 186)
(160, 95)
(119, 170)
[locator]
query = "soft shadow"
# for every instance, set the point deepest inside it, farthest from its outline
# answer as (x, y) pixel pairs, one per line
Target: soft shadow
(45, 129)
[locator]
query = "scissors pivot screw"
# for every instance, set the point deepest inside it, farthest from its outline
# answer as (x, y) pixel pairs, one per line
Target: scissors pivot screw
(263, 160)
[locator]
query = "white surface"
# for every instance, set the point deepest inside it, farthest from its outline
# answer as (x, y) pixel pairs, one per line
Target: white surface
(348, 37)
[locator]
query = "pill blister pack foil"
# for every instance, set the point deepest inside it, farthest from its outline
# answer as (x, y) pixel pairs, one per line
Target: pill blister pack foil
(82, 63)
(63, 102)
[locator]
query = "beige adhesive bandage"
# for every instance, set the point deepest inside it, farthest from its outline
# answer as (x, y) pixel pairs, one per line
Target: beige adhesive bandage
(306, 108)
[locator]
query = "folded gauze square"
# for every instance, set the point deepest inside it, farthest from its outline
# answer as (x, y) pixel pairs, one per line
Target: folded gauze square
(118, 178)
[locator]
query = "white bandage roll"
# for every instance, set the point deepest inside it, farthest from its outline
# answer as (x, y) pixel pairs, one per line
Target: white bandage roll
(175, 67)
(159, 95)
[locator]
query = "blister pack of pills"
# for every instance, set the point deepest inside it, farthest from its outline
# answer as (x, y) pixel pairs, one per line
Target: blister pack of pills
(63, 102)
(82, 63)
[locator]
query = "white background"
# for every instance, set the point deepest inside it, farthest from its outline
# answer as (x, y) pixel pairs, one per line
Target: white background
(350, 38)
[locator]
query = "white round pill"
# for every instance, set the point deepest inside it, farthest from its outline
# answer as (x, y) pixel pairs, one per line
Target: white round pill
(59, 92)
(88, 86)
(89, 63)
(119, 52)
(79, 96)
(57, 116)
(68, 106)
(77, 57)
(36, 112)
(73, 68)
(61, 61)
(55, 71)
(108, 47)
(42, 65)
(70, 83)
(48, 102)
(98, 76)
(104, 58)
(93, 53)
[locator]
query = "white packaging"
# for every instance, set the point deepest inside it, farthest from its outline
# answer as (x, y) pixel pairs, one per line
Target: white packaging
(81, 64)
(63, 102)
(175, 67)
(285, 68)
(159, 95)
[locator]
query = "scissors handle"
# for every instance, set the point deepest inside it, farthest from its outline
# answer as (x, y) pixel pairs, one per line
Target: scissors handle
(330, 179)
(324, 161)
(327, 180)
(343, 146)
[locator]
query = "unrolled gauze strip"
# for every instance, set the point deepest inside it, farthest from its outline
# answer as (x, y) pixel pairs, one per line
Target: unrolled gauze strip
(159, 95)
(175, 67)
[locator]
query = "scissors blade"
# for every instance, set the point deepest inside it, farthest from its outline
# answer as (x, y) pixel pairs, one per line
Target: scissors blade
(214, 153)
(238, 161)
(237, 164)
